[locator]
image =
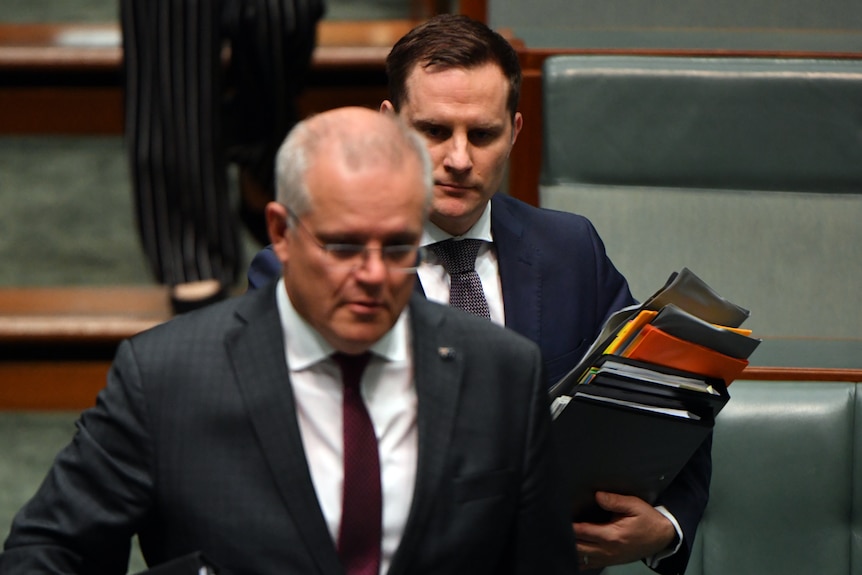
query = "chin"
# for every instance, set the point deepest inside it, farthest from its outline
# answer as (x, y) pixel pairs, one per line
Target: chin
(359, 337)
(453, 208)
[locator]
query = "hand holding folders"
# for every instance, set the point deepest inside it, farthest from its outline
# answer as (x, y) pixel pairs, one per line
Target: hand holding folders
(645, 396)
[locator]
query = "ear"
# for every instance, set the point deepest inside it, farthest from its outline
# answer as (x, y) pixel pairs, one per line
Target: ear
(276, 225)
(517, 124)
(386, 107)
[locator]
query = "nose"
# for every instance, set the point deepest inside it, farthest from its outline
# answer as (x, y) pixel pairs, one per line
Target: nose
(458, 158)
(372, 268)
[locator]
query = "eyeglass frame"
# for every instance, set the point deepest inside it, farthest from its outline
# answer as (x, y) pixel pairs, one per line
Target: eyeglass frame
(350, 252)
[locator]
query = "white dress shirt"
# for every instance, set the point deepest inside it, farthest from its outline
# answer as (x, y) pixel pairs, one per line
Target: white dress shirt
(390, 396)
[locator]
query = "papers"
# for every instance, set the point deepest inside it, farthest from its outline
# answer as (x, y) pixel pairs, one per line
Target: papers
(645, 374)
(670, 411)
(643, 398)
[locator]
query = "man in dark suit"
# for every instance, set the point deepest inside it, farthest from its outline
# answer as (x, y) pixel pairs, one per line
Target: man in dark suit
(231, 430)
(544, 274)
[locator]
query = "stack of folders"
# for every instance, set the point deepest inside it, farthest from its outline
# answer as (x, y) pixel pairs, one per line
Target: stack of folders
(645, 395)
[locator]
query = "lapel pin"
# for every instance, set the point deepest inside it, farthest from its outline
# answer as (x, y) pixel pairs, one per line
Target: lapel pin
(446, 352)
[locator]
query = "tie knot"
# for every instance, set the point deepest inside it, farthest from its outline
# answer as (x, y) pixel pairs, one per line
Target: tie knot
(352, 367)
(457, 256)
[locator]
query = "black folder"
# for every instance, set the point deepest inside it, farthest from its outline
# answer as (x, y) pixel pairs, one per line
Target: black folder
(619, 448)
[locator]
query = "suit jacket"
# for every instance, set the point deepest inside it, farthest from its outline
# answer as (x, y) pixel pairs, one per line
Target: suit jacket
(194, 445)
(559, 287)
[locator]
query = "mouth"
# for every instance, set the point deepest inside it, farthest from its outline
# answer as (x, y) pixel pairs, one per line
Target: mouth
(454, 188)
(365, 308)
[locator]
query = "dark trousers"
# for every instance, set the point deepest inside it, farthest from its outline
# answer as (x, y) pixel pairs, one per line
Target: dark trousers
(207, 82)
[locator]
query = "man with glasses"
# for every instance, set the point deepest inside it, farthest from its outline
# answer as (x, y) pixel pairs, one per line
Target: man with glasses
(333, 422)
(542, 273)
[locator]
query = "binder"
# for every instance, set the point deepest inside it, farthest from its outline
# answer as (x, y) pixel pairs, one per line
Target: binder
(621, 449)
(642, 399)
(648, 383)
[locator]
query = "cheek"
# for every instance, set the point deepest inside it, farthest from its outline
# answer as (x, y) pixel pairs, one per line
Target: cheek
(437, 154)
(402, 287)
(311, 285)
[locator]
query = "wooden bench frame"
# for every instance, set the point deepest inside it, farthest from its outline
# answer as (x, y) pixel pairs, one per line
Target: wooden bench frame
(56, 344)
(67, 78)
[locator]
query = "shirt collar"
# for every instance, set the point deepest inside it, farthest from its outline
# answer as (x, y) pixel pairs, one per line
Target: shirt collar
(481, 230)
(305, 347)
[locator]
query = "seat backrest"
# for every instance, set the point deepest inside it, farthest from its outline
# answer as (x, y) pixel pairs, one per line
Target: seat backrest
(782, 484)
(748, 171)
(784, 496)
(800, 25)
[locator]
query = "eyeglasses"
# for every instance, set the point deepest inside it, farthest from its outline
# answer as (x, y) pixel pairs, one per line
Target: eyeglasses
(404, 258)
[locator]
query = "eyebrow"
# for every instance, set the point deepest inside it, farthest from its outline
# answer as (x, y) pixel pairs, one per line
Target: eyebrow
(490, 127)
(396, 238)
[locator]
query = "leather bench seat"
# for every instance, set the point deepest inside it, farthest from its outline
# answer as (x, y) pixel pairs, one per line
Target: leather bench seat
(785, 495)
(746, 170)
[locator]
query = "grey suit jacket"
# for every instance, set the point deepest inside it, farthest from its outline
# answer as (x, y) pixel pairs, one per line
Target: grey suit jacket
(194, 445)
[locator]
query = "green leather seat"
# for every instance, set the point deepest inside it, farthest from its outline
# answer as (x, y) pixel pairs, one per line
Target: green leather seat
(785, 496)
(748, 171)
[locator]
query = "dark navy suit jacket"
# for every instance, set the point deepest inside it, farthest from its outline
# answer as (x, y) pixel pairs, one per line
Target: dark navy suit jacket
(559, 287)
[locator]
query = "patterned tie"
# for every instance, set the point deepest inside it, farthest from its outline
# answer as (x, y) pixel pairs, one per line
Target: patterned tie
(459, 260)
(361, 505)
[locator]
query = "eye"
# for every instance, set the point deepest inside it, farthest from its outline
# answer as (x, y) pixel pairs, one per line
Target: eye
(344, 251)
(433, 132)
(483, 137)
(400, 253)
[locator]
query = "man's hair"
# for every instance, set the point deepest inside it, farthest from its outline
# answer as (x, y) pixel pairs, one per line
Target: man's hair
(451, 41)
(392, 145)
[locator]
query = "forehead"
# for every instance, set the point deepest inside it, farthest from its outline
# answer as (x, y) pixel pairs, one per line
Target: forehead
(371, 192)
(476, 94)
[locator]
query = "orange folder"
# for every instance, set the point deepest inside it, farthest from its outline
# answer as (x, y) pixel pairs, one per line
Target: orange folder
(655, 346)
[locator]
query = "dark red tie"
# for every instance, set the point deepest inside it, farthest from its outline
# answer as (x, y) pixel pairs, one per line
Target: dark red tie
(361, 504)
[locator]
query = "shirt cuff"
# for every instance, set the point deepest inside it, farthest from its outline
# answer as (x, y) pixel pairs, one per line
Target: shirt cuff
(653, 561)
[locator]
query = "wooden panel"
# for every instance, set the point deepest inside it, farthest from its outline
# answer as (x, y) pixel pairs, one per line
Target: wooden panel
(51, 385)
(66, 79)
(94, 315)
(525, 161)
(475, 9)
(801, 374)
(61, 110)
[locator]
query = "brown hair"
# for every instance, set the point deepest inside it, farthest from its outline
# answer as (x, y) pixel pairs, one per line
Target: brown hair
(451, 41)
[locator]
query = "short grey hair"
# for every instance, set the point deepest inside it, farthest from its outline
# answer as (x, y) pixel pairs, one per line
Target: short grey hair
(357, 148)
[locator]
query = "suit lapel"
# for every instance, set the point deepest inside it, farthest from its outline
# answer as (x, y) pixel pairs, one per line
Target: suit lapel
(519, 275)
(438, 367)
(520, 278)
(256, 350)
